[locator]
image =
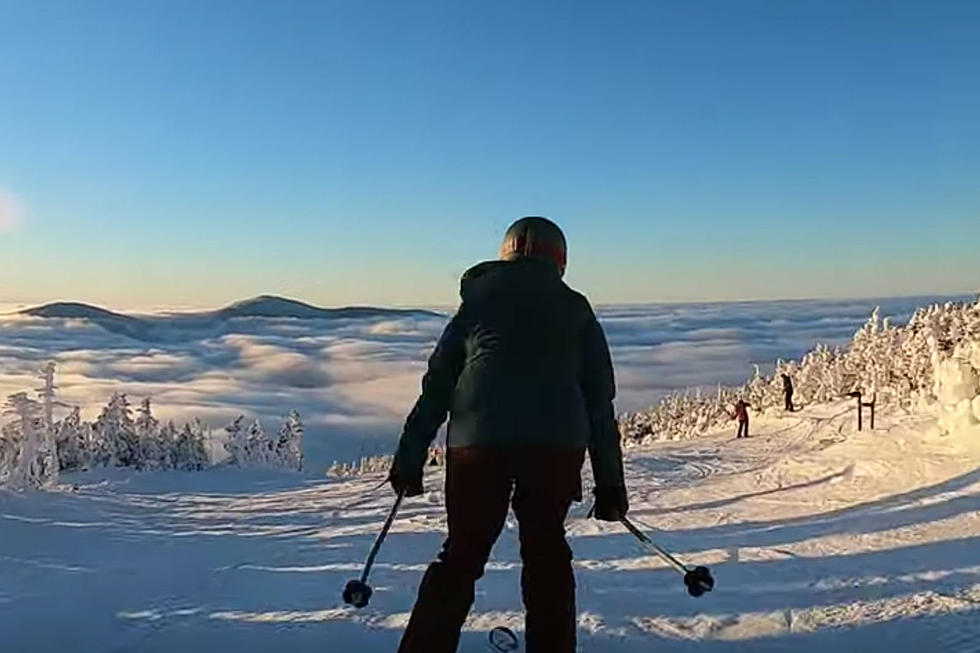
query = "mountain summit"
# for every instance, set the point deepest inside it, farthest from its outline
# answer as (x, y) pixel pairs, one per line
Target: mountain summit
(274, 306)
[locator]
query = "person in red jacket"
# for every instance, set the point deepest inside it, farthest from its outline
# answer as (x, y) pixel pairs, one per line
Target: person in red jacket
(742, 415)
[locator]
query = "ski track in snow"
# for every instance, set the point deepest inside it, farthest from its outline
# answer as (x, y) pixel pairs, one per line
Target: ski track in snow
(820, 538)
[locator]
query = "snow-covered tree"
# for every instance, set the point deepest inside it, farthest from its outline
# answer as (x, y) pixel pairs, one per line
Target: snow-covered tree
(289, 446)
(167, 446)
(72, 441)
(47, 394)
(256, 445)
(235, 441)
(30, 453)
(115, 434)
(34, 446)
(251, 447)
(190, 452)
(147, 429)
(9, 455)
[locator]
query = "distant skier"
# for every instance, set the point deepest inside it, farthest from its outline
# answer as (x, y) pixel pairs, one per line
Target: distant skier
(524, 372)
(742, 415)
(788, 392)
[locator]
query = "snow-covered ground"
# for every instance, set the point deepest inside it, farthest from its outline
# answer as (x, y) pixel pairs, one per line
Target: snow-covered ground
(820, 538)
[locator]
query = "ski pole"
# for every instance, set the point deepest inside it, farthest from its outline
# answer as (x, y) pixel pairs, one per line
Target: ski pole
(697, 579)
(662, 552)
(357, 592)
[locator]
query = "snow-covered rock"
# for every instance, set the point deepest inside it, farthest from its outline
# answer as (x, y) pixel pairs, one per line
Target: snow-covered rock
(957, 418)
(955, 380)
(974, 355)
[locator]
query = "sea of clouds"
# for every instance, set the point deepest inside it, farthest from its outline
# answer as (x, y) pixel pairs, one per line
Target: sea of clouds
(354, 380)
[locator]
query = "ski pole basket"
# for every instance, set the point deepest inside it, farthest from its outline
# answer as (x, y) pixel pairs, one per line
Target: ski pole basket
(698, 580)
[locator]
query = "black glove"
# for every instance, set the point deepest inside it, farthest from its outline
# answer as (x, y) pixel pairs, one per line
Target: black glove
(611, 503)
(402, 481)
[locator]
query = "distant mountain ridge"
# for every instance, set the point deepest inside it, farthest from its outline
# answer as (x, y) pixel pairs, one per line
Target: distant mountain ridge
(260, 306)
(75, 310)
(169, 326)
(275, 306)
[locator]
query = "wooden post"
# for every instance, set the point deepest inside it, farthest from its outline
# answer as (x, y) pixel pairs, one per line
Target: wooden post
(871, 405)
(857, 394)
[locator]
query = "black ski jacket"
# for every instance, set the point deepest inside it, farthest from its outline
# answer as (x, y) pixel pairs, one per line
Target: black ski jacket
(523, 363)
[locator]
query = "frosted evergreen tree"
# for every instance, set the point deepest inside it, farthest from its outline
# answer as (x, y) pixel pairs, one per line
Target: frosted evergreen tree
(34, 446)
(23, 433)
(9, 453)
(235, 441)
(191, 454)
(147, 430)
(115, 432)
(167, 446)
(35, 462)
(71, 441)
(289, 446)
(256, 445)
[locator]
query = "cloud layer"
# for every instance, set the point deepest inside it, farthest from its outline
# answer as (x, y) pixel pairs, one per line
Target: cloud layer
(353, 380)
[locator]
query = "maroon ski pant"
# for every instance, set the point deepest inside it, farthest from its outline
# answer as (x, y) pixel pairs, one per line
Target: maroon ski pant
(743, 428)
(480, 485)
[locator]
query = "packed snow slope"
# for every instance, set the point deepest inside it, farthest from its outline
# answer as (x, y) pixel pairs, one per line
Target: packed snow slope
(820, 538)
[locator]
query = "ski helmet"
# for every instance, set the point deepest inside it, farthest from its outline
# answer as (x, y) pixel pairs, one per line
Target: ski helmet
(535, 237)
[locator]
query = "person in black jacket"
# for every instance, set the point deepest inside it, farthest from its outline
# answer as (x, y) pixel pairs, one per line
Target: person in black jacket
(524, 372)
(788, 392)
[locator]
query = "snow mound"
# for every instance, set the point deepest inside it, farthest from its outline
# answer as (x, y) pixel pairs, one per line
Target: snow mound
(957, 389)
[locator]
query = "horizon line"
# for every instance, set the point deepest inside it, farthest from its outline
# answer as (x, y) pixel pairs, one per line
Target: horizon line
(21, 305)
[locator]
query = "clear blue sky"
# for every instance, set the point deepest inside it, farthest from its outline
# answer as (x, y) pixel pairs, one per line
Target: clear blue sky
(193, 153)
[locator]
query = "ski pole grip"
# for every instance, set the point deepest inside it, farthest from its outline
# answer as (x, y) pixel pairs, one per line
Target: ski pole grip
(640, 535)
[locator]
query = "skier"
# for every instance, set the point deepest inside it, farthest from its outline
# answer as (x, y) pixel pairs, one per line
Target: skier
(524, 372)
(788, 392)
(742, 415)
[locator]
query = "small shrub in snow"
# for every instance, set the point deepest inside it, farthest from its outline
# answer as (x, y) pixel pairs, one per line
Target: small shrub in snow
(378, 464)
